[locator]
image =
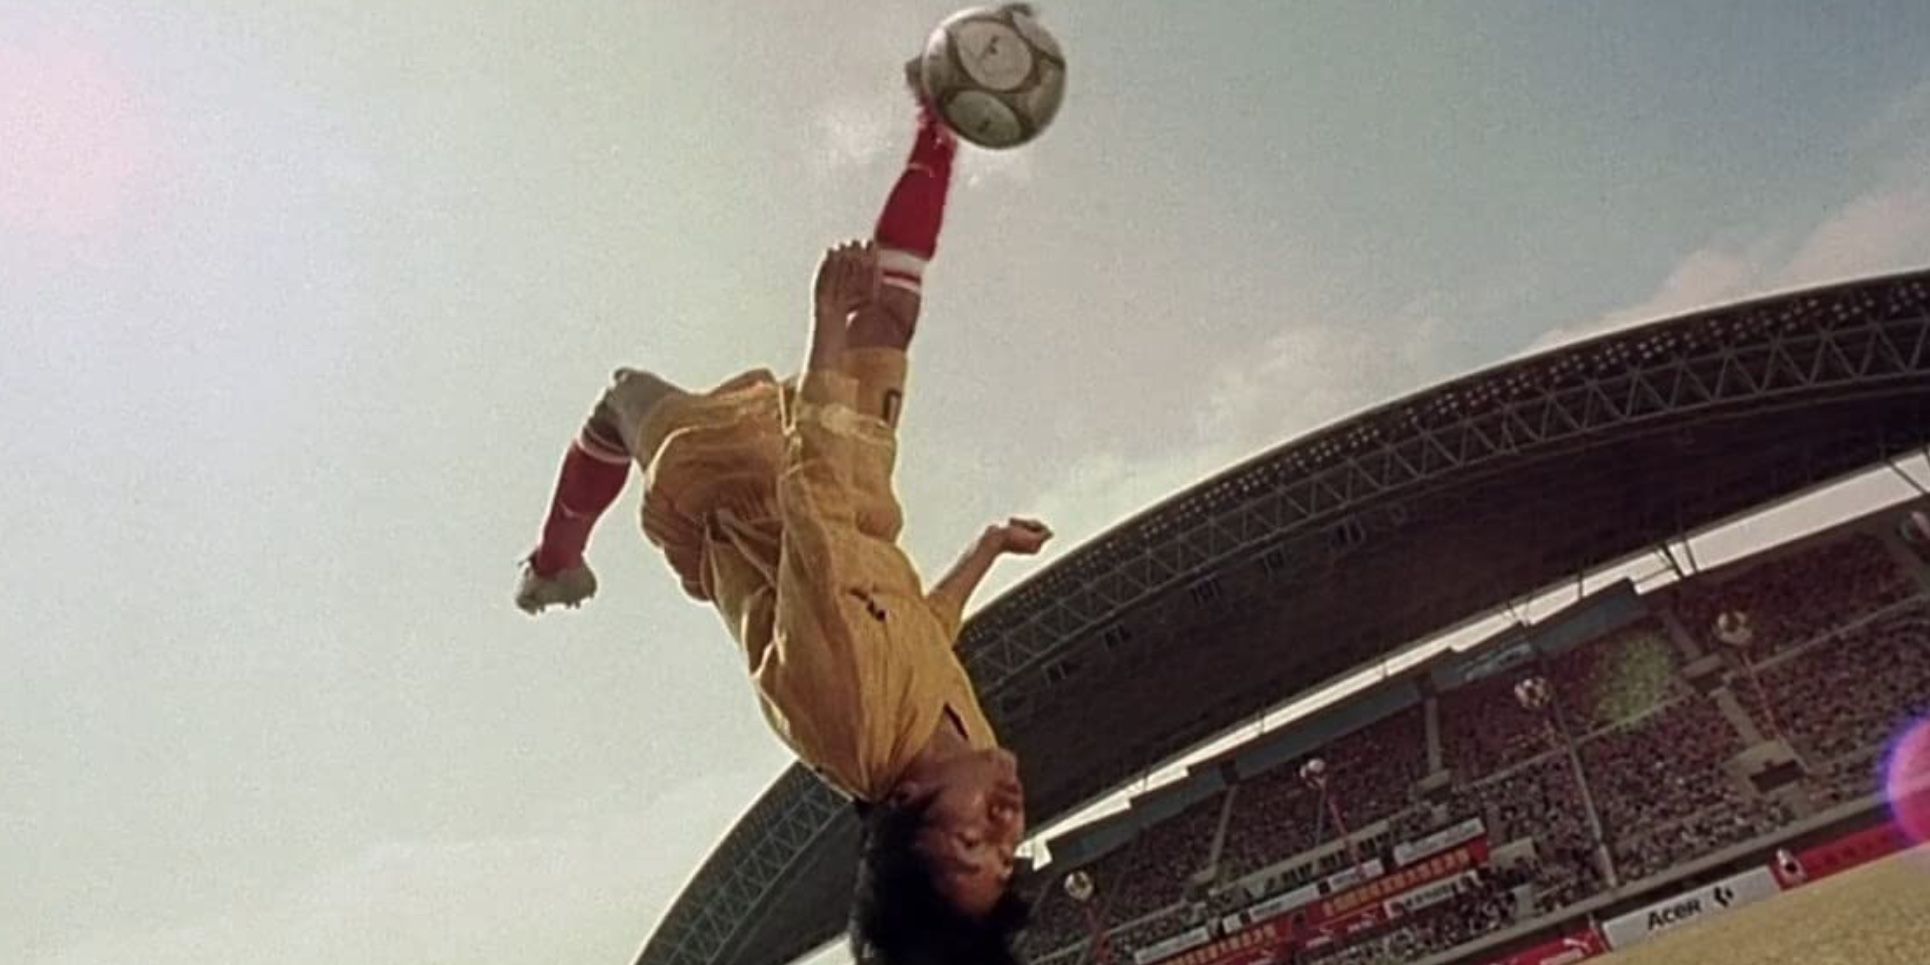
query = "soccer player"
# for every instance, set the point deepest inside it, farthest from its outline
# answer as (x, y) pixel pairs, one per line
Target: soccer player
(773, 502)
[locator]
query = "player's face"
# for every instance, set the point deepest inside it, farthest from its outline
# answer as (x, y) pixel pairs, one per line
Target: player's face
(973, 827)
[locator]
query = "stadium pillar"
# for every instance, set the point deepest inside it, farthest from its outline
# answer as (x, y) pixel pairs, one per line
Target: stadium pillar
(1604, 860)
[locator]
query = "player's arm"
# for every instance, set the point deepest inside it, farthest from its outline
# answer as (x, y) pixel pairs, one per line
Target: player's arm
(1020, 537)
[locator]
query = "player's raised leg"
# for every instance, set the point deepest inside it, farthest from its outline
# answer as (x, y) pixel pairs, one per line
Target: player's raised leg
(907, 239)
(593, 475)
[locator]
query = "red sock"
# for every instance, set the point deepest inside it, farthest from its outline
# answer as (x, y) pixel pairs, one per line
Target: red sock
(592, 478)
(907, 232)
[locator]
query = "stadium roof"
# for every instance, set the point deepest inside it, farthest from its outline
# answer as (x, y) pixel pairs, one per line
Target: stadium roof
(1327, 552)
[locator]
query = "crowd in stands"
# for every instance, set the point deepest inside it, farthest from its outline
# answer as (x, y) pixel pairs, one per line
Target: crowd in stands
(1541, 799)
(1057, 921)
(1372, 770)
(1656, 755)
(1154, 872)
(1274, 815)
(1831, 700)
(1145, 875)
(1486, 905)
(1484, 729)
(1793, 598)
(1617, 678)
(1651, 851)
(1662, 767)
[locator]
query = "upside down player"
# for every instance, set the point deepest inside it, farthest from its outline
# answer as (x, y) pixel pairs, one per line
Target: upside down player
(773, 502)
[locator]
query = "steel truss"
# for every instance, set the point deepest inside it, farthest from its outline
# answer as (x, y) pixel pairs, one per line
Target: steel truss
(1850, 341)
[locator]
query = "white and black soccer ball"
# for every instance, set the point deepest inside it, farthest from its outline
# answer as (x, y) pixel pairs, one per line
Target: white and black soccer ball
(995, 76)
(1534, 693)
(1079, 885)
(1732, 628)
(1314, 773)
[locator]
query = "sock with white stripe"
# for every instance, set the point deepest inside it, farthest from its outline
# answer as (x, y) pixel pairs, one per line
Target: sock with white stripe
(907, 231)
(593, 475)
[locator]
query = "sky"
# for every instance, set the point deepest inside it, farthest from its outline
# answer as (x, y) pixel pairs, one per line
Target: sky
(300, 302)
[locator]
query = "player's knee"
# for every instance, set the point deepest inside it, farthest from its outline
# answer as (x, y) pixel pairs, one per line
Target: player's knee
(604, 430)
(634, 391)
(623, 405)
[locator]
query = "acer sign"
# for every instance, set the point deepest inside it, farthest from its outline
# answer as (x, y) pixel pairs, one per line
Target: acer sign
(1706, 902)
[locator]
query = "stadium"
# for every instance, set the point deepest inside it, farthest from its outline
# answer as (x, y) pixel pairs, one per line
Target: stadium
(1651, 754)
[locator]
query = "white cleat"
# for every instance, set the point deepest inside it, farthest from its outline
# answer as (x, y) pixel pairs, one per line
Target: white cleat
(570, 588)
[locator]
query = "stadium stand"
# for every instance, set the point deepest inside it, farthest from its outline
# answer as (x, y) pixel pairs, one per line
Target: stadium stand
(1833, 710)
(1793, 598)
(1485, 730)
(1657, 755)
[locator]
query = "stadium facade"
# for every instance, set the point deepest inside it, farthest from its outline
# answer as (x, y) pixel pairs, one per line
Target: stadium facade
(1329, 552)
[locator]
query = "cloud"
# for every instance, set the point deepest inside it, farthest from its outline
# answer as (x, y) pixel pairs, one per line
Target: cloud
(1885, 228)
(981, 167)
(856, 130)
(610, 878)
(1305, 377)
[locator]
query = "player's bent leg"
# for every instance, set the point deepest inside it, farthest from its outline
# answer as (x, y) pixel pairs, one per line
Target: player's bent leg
(633, 394)
(593, 475)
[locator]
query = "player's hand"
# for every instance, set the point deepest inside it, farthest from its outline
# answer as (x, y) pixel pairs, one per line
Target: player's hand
(1022, 537)
(847, 279)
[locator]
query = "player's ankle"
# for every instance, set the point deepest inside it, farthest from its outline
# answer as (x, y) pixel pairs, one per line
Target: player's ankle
(549, 563)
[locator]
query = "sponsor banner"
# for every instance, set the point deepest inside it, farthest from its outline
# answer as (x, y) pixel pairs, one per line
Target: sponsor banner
(1279, 905)
(1262, 944)
(1409, 852)
(1345, 927)
(1579, 947)
(1306, 895)
(1852, 850)
(1352, 875)
(1429, 895)
(1445, 865)
(1167, 948)
(1706, 902)
(1320, 934)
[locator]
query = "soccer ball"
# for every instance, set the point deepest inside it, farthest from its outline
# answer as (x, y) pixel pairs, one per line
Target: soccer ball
(1314, 772)
(1533, 693)
(1732, 628)
(994, 75)
(1079, 885)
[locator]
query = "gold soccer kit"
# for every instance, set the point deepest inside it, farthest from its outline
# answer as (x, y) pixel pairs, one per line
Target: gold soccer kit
(774, 503)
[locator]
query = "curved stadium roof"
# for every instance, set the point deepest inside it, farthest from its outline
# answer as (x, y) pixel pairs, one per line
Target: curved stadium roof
(1329, 551)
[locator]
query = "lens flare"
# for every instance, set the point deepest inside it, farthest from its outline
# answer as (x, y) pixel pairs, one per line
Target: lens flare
(75, 135)
(1906, 781)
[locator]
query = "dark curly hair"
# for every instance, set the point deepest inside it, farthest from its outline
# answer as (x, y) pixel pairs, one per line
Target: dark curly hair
(898, 916)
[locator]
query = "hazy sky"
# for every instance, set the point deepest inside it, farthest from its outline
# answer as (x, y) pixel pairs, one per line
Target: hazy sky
(299, 302)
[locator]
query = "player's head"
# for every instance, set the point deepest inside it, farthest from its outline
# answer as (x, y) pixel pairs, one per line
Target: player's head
(935, 873)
